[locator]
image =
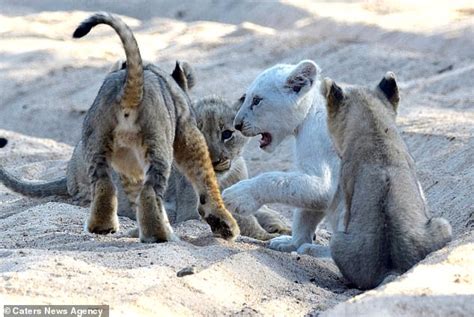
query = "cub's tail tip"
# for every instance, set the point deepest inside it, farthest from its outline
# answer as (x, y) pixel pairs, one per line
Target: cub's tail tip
(441, 230)
(82, 30)
(87, 25)
(3, 142)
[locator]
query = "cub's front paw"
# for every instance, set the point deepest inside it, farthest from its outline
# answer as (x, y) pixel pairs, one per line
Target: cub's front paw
(223, 225)
(283, 244)
(239, 199)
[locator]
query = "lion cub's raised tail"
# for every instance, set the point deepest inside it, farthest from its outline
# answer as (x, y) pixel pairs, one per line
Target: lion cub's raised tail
(34, 189)
(133, 89)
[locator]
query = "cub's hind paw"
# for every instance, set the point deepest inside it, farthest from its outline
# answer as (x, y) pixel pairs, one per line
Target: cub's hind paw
(270, 220)
(102, 227)
(223, 227)
(155, 234)
(278, 228)
(266, 236)
(135, 233)
(171, 237)
(314, 250)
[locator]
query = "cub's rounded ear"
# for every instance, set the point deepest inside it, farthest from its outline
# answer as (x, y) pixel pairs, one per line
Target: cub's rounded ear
(238, 104)
(303, 77)
(184, 75)
(118, 65)
(190, 74)
(332, 92)
(326, 86)
(388, 86)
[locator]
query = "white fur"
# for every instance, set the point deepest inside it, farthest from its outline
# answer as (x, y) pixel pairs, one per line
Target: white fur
(284, 113)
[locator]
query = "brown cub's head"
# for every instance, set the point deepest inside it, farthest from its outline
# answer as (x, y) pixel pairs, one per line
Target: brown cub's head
(355, 106)
(215, 119)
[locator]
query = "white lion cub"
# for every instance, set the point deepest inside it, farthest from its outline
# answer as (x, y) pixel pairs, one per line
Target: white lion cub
(283, 101)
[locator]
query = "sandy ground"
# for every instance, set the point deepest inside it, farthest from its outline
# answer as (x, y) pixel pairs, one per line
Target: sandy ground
(48, 81)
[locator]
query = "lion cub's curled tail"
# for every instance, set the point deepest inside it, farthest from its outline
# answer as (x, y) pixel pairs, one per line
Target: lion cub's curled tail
(132, 93)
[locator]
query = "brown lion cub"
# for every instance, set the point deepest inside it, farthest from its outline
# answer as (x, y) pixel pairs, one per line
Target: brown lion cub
(138, 122)
(388, 227)
(215, 117)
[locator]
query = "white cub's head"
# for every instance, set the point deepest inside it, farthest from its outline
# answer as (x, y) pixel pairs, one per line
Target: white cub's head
(277, 102)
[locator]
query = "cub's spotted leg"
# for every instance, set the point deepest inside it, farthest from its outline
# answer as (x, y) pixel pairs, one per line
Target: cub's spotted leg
(152, 219)
(192, 156)
(103, 217)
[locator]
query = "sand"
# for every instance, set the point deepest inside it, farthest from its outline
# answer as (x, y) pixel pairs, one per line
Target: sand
(48, 81)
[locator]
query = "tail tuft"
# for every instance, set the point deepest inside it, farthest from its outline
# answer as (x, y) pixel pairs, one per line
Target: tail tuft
(440, 232)
(86, 26)
(82, 30)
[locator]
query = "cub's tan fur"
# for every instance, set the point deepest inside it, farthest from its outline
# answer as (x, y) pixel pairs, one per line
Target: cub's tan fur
(215, 120)
(388, 227)
(139, 121)
(136, 128)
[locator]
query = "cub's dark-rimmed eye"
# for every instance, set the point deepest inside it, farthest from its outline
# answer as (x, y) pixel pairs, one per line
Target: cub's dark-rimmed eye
(226, 134)
(256, 100)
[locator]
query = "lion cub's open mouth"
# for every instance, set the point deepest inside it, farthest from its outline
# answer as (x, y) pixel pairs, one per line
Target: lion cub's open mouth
(265, 140)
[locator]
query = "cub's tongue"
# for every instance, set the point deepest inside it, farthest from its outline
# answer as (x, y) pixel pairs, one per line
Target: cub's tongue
(266, 139)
